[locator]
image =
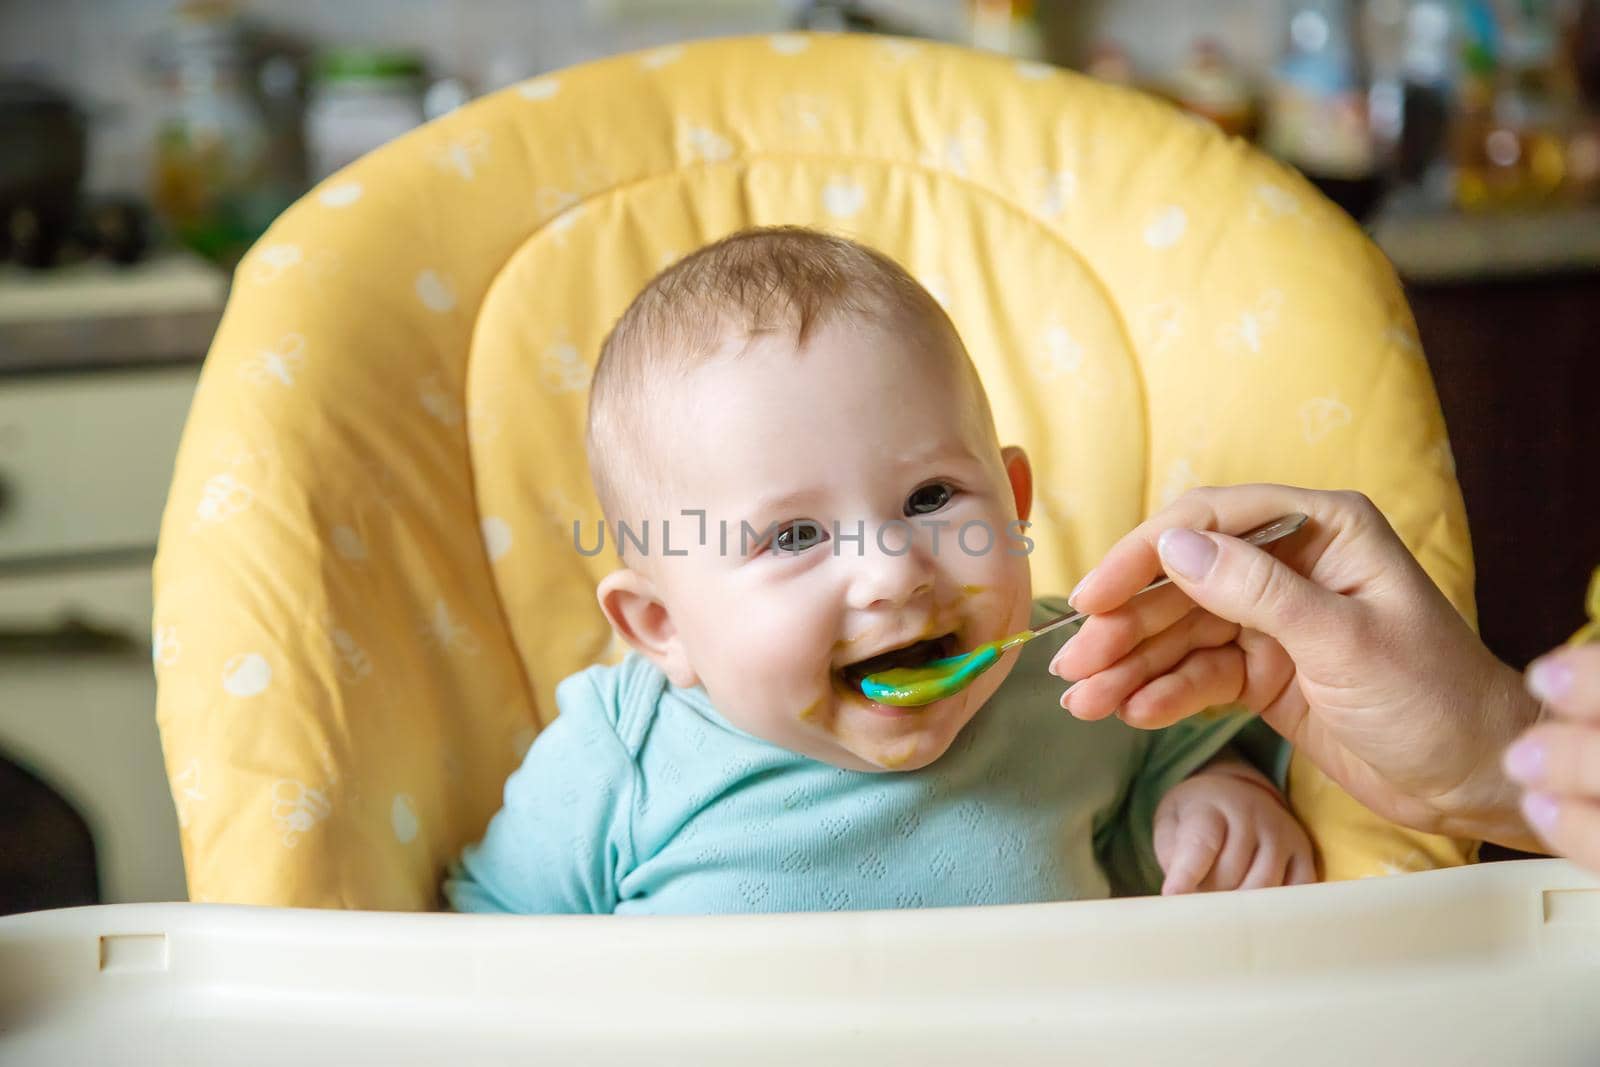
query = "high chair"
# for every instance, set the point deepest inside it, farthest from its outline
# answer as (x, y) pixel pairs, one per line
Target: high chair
(367, 587)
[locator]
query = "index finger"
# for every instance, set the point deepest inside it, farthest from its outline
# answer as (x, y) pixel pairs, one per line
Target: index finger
(1134, 561)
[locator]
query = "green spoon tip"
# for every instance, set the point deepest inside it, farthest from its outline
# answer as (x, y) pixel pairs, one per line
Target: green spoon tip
(913, 687)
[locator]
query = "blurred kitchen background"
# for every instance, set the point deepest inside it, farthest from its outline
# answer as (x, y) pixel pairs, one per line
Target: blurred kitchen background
(145, 143)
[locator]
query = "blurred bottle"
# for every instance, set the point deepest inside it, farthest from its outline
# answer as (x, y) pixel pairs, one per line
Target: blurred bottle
(847, 16)
(1210, 85)
(281, 88)
(1478, 176)
(43, 157)
(1383, 30)
(1538, 100)
(1583, 149)
(1513, 151)
(361, 99)
(1317, 111)
(1109, 62)
(1586, 51)
(212, 183)
(1006, 26)
(1430, 75)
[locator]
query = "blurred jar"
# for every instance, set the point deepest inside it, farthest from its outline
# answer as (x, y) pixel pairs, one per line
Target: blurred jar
(1006, 26)
(1583, 162)
(361, 99)
(1479, 181)
(1430, 76)
(211, 183)
(1384, 33)
(1210, 85)
(1515, 150)
(1109, 62)
(1583, 55)
(1316, 116)
(1585, 49)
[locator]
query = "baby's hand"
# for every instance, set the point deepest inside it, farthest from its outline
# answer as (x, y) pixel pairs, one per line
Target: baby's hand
(1225, 827)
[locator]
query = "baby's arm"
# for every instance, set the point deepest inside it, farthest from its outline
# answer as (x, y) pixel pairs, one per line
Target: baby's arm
(1227, 827)
(561, 842)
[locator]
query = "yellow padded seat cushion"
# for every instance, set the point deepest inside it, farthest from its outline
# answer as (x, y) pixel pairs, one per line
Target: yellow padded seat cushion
(367, 587)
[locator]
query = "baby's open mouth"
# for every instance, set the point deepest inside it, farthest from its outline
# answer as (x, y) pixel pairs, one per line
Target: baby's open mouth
(913, 655)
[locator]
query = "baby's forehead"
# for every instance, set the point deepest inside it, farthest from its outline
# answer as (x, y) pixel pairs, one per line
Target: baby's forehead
(745, 423)
(841, 349)
(889, 359)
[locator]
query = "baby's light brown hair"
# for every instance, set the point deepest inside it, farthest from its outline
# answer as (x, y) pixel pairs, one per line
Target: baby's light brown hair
(783, 279)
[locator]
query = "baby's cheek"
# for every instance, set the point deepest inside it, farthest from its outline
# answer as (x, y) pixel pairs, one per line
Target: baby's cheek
(791, 653)
(1004, 568)
(779, 672)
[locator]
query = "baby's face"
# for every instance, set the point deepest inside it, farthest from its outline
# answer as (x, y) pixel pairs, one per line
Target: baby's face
(854, 433)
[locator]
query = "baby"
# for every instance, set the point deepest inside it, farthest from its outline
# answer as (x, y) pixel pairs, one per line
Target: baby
(805, 416)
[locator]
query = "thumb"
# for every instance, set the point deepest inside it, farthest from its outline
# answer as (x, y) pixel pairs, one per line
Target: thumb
(1245, 585)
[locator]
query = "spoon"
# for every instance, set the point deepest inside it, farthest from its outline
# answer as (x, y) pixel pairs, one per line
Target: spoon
(912, 687)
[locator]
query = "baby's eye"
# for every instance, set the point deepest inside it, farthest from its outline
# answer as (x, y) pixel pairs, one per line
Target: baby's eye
(928, 499)
(797, 536)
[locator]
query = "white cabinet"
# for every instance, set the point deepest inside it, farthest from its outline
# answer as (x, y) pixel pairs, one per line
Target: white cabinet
(85, 461)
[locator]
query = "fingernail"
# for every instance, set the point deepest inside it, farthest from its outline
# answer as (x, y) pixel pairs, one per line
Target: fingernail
(1525, 761)
(1072, 597)
(1541, 811)
(1068, 693)
(1186, 552)
(1550, 679)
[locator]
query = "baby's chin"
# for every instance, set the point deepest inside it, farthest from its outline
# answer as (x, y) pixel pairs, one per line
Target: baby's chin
(918, 739)
(923, 756)
(872, 762)
(854, 750)
(883, 739)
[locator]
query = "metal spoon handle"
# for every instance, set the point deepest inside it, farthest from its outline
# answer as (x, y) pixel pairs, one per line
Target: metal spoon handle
(1276, 530)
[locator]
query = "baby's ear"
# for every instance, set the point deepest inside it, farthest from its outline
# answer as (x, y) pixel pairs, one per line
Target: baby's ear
(1020, 475)
(636, 611)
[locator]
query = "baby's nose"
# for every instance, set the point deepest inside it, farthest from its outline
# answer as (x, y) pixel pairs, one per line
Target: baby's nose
(890, 574)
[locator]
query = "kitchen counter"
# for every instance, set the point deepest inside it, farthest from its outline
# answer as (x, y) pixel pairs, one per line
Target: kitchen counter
(163, 310)
(166, 309)
(1451, 247)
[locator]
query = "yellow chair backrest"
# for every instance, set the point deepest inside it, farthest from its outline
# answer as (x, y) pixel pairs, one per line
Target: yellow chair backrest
(367, 587)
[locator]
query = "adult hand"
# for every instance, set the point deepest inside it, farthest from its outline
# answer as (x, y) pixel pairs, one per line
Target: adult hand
(1559, 759)
(1339, 641)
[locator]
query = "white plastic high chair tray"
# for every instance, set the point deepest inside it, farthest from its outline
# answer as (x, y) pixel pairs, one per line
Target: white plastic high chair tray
(1498, 964)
